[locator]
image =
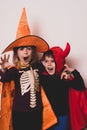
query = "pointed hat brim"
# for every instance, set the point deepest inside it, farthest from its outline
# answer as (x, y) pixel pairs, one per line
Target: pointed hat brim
(29, 40)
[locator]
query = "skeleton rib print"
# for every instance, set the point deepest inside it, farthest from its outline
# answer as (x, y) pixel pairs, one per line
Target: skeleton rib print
(27, 84)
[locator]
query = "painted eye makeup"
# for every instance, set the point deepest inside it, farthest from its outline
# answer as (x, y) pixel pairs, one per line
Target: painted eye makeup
(29, 48)
(22, 47)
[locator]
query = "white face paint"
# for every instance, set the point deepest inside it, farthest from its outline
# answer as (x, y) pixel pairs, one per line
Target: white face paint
(49, 65)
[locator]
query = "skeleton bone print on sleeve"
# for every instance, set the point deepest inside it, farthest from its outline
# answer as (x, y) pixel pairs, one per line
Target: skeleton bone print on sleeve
(27, 84)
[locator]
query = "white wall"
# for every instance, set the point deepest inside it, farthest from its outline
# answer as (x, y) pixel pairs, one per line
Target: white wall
(57, 21)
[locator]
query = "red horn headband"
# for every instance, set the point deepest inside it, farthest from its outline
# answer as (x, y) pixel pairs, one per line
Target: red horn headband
(67, 50)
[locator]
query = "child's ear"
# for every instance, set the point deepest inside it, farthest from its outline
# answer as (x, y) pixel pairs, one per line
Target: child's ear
(43, 63)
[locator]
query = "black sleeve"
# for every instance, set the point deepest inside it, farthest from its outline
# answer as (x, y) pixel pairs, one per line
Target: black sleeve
(77, 82)
(10, 74)
(1, 76)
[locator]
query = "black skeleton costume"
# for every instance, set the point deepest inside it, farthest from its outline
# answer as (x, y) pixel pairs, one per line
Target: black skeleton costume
(27, 97)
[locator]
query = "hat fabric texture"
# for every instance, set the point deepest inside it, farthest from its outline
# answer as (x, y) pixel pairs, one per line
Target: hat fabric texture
(59, 56)
(24, 38)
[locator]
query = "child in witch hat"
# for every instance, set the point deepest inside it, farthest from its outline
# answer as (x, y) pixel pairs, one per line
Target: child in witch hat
(27, 104)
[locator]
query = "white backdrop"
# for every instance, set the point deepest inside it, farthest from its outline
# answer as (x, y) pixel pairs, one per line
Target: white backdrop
(56, 21)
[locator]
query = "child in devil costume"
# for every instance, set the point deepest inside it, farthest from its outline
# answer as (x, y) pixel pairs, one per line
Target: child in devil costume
(57, 78)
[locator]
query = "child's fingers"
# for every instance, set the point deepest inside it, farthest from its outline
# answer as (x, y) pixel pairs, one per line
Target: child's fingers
(63, 75)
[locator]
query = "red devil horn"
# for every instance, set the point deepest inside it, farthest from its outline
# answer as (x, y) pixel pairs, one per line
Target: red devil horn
(67, 50)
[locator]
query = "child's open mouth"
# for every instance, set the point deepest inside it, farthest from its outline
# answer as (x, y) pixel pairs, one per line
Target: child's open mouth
(25, 58)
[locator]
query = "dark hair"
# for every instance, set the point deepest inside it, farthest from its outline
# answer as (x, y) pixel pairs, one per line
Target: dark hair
(48, 53)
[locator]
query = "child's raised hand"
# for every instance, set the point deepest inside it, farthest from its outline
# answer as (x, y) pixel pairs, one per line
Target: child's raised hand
(4, 61)
(66, 74)
(68, 69)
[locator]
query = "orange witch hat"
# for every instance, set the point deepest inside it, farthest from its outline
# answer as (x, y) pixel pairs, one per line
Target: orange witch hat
(23, 27)
(23, 37)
